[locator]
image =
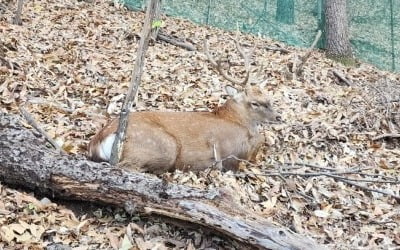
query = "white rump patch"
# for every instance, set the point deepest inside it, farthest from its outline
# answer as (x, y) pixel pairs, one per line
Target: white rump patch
(105, 147)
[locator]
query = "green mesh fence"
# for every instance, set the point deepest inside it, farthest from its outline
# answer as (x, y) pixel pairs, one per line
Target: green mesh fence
(374, 25)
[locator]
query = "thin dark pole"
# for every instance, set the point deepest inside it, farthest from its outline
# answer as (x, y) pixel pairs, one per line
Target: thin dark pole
(392, 34)
(208, 12)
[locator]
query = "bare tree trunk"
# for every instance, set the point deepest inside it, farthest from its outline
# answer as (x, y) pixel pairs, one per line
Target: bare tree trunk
(337, 29)
(156, 18)
(17, 18)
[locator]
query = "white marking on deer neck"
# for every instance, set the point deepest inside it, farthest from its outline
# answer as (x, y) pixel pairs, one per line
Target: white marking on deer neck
(105, 147)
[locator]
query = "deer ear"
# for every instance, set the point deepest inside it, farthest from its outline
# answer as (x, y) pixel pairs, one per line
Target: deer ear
(234, 93)
(231, 91)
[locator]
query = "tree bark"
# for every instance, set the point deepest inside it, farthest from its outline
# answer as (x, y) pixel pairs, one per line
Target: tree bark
(17, 18)
(26, 161)
(156, 17)
(337, 29)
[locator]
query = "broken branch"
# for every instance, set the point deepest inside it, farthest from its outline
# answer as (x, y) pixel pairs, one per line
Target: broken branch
(28, 117)
(384, 136)
(299, 70)
(274, 48)
(176, 42)
(342, 78)
(332, 173)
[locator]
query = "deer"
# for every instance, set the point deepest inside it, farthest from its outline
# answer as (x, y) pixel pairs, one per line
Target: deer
(158, 142)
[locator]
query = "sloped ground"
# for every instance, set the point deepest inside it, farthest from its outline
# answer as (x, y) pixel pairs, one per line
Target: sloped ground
(70, 64)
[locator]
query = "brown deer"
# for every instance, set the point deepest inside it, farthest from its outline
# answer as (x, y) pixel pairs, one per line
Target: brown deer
(157, 142)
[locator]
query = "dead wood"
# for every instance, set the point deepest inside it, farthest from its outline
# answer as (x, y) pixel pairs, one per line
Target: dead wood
(384, 136)
(304, 59)
(279, 49)
(342, 78)
(27, 162)
(333, 173)
(28, 117)
(175, 41)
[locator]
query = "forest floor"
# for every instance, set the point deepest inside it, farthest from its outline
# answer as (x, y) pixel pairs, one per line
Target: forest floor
(329, 171)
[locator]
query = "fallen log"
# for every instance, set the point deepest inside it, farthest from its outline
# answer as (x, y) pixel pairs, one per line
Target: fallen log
(26, 161)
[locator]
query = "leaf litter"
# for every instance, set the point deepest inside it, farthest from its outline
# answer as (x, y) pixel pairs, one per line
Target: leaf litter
(70, 64)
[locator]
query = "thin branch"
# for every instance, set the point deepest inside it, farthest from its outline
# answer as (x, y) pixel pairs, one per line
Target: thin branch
(135, 81)
(28, 117)
(379, 175)
(332, 174)
(314, 174)
(235, 158)
(176, 42)
(371, 189)
(310, 165)
(317, 37)
(53, 104)
(60, 106)
(384, 136)
(274, 48)
(338, 178)
(354, 170)
(342, 78)
(299, 70)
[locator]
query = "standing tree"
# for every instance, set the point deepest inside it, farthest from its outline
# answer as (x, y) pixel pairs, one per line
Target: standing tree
(337, 29)
(17, 18)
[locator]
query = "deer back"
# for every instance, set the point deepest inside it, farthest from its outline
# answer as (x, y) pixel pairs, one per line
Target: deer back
(162, 141)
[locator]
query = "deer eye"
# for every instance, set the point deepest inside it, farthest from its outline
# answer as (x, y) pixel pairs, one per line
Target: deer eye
(255, 104)
(267, 105)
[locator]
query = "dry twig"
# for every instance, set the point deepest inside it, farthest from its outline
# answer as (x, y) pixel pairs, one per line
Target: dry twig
(372, 189)
(275, 48)
(331, 172)
(342, 78)
(384, 136)
(28, 117)
(299, 69)
(61, 107)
